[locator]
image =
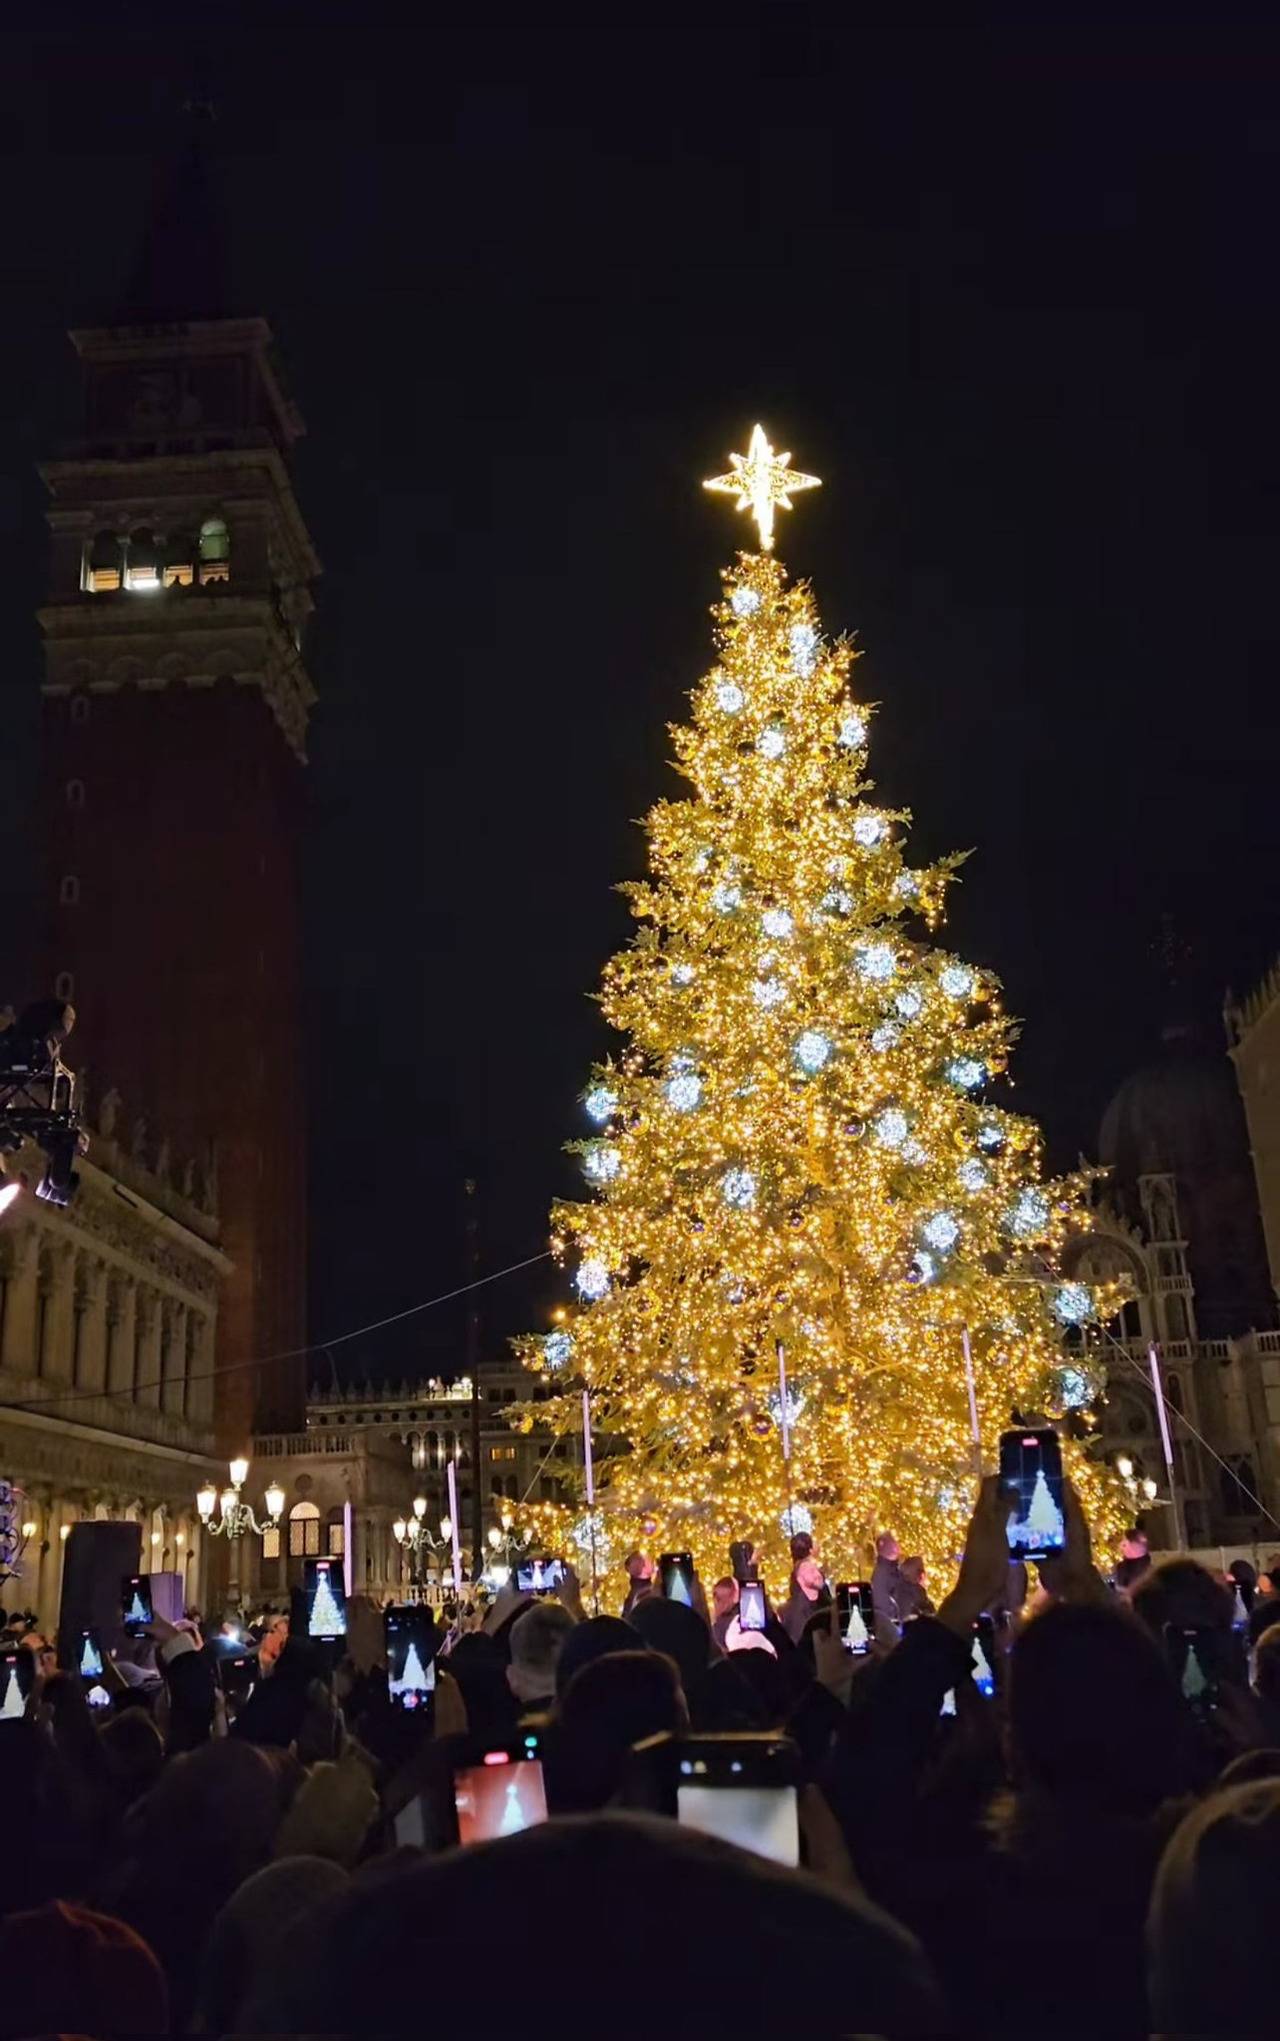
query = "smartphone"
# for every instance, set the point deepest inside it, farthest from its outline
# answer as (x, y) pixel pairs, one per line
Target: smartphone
(743, 1789)
(984, 1659)
(97, 1697)
(1031, 1473)
(412, 1641)
(236, 1670)
(675, 1570)
(857, 1615)
(752, 1613)
(501, 1793)
(324, 1600)
(1199, 1661)
(17, 1674)
(135, 1604)
(89, 1656)
(539, 1576)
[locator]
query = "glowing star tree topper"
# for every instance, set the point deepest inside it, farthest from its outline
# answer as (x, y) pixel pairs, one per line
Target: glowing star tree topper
(761, 480)
(799, 1187)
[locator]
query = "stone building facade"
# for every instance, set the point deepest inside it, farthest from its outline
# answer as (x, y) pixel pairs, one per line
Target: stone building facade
(108, 1326)
(1253, 1030)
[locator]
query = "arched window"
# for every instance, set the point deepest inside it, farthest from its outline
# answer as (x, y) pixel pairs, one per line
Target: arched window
(102, 564)
(69, 890)
(180, 556)
(142, 561)
(215, 550)
(304, 1531)
(337, 1529)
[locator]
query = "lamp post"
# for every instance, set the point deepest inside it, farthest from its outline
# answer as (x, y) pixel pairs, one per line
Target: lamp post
(235, 1519)
(414, 1536)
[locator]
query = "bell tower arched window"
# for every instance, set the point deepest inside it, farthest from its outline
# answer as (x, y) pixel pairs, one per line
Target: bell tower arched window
(215, 550)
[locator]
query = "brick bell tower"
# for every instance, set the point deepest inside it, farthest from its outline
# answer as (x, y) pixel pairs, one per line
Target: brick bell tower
(174, 742)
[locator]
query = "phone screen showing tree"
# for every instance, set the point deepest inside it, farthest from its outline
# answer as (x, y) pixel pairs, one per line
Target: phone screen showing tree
(676, 1573)
(411, 1641)
(325, 1605)
(1031, 1474)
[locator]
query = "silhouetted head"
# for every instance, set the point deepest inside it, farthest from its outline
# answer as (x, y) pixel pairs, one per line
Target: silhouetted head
(1212, 1917)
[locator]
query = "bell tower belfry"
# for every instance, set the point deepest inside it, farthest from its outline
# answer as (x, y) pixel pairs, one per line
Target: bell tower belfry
(174, 736)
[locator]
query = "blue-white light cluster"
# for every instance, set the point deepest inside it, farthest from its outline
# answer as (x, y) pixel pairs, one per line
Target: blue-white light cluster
(772, 742)
(837, 901)
(727, 897)
(852, 731)
(1029, 1217)
(956, 981)
(877, 961)
(556, 1349)
(775, 921)
(684, 1086)
(966, 1073)
(768, 993)
(794, 1406)
(682, 974)
(600, 1104)
(744, 602)
(941, 1231)
(592, 1279)
(868, 830)
(923, 1268)
(914, 1152)
(1071, 1303)
(907, 886)
(892, 1127)
(908, 1002)
(796, 1520)
(803, 640)
(973, 1175)
(886, 1036)
(601, 1162)
(813, 1051)
(991, 1137)
(1075, 1390)
(729, 696)
(738, 1188)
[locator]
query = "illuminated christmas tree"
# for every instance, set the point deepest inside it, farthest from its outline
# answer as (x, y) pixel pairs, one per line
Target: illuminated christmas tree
(89, 1660)
(13, 1705)
(138, 1611)
(413, 1678)
(1042, 1525)
(326, 1616)
(800, 1152)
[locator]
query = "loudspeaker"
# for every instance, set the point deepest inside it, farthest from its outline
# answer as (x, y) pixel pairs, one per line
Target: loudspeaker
(96, 1560)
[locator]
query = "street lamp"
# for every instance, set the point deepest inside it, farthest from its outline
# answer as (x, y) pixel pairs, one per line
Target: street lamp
(236, 1518)
(414, 1536)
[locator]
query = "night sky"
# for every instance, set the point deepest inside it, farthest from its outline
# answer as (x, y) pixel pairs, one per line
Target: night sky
(1013, 296)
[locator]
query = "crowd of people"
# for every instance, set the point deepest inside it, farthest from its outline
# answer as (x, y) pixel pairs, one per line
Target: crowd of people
(1094, 1848)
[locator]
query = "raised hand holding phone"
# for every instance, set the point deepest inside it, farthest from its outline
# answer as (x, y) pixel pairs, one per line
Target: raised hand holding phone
(985, 1561)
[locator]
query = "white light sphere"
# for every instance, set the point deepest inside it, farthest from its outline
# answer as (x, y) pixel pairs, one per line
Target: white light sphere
(738, 1188)
(941, 1231)
(556, 1349)
(1075, 1390)
(991, 1137)
(682, 974)
(878, 962)
(803, 640)
(776, 922)
(892, 1127)
(853, 731)
(908, 1002)
(869, 830)
(972, 1176)
(1071, 1303)
(813, 1051)
(600, 1103)
(771, 743)
(906, 886)
(923, 1268)
(602, 1163)
(966, 1073)
(914, 1152)
(837, 901)
(956, 981)
(768, 993)
(744, 602)
(729, 696)
(592, 1279)
(884, 1037)
(726, 898)
(1029, 1217)
(684, 1090)
(796, 1520)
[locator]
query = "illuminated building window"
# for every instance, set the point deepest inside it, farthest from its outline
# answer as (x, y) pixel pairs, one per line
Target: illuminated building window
(271, 1544)
(502, 1452)
(215, 550)
(75, 793)
(69, 891)
(102, 560)
(142, 563)
(64, 985)
(304, 1531)
(337, 1537)
(179, 574)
